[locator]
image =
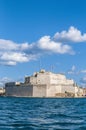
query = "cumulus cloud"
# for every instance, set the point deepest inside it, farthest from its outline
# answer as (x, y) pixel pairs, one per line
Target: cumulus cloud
(11, 58)
(12, 46)
(46, 44)
(72, 35)
(12, 53)
(17, 57)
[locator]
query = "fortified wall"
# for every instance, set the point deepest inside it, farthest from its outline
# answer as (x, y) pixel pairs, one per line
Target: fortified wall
(44, 84)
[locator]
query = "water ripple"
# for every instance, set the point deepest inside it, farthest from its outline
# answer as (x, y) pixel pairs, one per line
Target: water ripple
(42, 114)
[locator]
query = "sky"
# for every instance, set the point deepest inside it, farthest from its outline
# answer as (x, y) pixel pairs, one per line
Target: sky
(42, 34)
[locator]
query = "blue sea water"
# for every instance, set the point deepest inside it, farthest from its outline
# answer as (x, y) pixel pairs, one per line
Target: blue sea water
(42, 113)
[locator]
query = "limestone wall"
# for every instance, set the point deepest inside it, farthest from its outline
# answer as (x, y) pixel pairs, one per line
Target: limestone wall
(68, 88)
(51, 90)
(19, 91)
(43, 79)
(80, 92)
(39, 90)
(58, 89)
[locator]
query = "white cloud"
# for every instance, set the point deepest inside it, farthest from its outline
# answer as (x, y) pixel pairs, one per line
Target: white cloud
(10, 45)
(8, 63)
(14, 56)
(12, 53)
(7, 45)
(83, 71)
(46, 44)
(72, 35)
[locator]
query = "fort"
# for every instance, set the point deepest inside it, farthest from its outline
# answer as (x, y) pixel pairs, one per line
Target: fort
(44, 84)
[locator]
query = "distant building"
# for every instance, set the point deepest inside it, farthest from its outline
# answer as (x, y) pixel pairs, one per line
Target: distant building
(44, 84)
(2, 91)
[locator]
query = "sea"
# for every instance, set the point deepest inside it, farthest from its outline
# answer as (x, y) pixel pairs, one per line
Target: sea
(17, 113)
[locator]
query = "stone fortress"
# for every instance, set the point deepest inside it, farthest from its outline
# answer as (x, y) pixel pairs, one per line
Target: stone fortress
(44, 84)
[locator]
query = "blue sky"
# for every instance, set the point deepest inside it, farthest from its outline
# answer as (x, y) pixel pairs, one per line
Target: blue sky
(49, 34)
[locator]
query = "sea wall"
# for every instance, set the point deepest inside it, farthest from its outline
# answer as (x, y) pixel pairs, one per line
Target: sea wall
(19, 91)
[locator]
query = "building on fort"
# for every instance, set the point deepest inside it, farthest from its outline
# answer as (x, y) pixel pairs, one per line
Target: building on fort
(44, 84)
